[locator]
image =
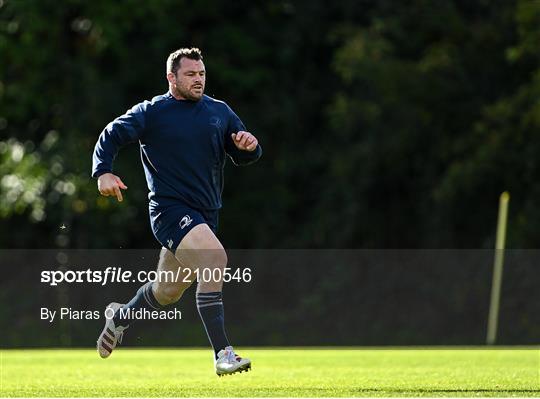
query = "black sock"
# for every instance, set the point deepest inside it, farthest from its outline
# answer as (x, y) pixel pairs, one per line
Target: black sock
(210, 306)
(143, 299)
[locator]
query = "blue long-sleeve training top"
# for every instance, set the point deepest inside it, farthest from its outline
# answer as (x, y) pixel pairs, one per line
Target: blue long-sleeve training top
(183, 145)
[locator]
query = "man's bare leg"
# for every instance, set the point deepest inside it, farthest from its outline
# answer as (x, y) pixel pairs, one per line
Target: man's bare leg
(167, 292)
(151, 296)
(199, 250)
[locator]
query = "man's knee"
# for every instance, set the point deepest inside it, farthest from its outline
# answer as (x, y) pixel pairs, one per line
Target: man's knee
(212, 279)
(217, 258)
(167, 294)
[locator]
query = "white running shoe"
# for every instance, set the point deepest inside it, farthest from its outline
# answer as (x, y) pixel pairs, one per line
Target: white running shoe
(229, 362)
(111, 335)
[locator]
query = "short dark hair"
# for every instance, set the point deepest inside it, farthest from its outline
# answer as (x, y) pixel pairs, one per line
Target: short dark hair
(173, 62)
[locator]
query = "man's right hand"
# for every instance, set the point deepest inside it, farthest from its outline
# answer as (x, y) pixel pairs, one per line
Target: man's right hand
(109, 184)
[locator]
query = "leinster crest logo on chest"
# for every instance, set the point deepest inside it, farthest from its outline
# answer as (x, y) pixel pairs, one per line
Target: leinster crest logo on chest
(215, 121)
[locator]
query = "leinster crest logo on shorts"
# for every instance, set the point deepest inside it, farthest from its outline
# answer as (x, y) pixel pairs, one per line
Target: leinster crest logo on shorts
(185, 222)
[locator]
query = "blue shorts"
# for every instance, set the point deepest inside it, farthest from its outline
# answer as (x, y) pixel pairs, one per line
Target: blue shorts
(171, 221)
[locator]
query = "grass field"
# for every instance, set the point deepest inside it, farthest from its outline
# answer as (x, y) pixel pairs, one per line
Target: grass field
(276, 372)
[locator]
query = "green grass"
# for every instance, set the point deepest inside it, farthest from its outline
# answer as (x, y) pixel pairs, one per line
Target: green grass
(430, 372)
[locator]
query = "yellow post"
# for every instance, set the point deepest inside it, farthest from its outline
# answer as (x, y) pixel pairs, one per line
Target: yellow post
(497, 269)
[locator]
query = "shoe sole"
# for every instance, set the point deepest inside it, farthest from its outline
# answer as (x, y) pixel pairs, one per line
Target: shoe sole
(245, 368)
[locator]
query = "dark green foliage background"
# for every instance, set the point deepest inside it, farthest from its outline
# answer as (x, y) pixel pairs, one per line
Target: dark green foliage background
(384, 124)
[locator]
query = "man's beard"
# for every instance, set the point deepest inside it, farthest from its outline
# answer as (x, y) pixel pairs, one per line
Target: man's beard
(185, 93)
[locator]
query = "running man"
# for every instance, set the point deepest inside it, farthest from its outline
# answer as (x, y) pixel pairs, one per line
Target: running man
(184, 136)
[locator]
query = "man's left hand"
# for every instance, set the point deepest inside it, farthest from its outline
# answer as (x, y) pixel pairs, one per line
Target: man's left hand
(245, 141)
